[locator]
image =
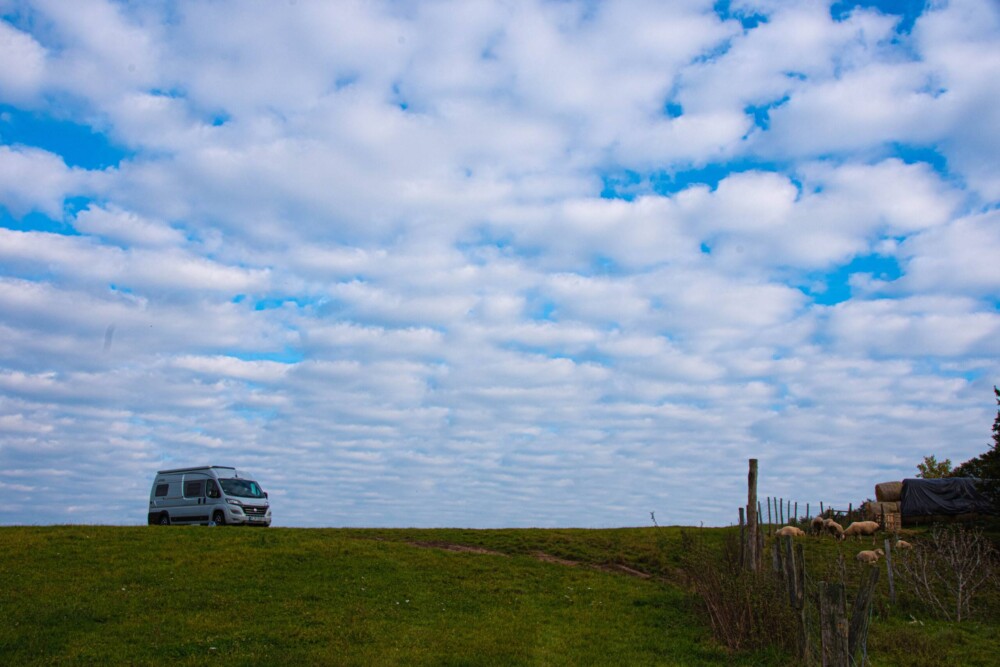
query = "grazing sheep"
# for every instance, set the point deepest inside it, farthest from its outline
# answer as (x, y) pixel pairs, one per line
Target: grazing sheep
(859, 528)
(834, 528)
(869, 556)
(789, 531)
(903, 544)
(816, 526)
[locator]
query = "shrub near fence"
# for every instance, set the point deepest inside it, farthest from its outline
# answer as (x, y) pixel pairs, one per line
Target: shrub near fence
(781, 607)
(746, 609)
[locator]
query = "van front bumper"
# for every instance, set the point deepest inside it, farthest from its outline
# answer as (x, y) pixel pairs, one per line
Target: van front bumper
(249, 515)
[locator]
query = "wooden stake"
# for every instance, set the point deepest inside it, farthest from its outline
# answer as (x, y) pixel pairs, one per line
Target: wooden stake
(743, 540)
(833, 625)
(859, 617)
(753, 555)
(801, 585)
(888, 569)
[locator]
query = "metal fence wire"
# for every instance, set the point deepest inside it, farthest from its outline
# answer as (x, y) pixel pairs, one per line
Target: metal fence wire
(811, 602)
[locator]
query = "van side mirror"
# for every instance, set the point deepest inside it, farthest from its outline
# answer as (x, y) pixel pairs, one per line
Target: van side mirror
(265, 494)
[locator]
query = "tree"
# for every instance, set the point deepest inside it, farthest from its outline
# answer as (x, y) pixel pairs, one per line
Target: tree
(986, 466)
(932, 469)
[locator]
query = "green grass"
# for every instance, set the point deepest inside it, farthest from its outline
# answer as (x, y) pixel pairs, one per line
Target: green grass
(235, 596)
(196, 595)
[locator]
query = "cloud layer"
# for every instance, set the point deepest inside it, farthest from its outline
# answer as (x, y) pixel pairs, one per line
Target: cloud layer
(493, 264)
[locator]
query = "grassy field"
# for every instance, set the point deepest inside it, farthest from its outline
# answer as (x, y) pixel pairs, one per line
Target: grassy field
(197, 595)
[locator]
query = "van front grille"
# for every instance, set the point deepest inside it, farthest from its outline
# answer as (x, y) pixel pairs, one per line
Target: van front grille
(253, 510)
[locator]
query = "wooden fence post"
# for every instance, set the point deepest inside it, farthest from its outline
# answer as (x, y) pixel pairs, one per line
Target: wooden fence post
(833, 625)
(769, 515)
(888, 570)
(821, 508)
(803, 628)
(858, 631)
(743, 542)
(753, 555)
(760, 517)
(794, 570)
(807, 511)
(796, 520)
(791, 580)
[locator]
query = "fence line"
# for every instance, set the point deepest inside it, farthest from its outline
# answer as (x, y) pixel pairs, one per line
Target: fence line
(782, 511)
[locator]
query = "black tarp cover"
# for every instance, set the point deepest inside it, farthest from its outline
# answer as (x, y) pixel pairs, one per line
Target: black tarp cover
(950, 495)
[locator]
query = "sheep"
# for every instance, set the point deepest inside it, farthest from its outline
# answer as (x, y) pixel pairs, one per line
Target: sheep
(869, 556)
(903, 544)
(834, 528)
(859, 528)
(816, 526)
(789, 531)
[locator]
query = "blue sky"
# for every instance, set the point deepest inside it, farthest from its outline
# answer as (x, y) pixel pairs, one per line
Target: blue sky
(494, 264)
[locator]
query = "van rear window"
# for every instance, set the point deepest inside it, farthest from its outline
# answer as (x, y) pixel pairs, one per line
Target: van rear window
(161, 490)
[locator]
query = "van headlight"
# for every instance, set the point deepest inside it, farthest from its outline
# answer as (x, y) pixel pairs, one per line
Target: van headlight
(233, 501)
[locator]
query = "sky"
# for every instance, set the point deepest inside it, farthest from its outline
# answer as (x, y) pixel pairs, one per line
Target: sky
(494, 264)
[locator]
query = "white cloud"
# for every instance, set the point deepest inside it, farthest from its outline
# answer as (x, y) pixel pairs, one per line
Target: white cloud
(959, 258)
(24, 68)
(126, 228)
(37, 180)
(958, 42)
(164, 270)
(367, 240)
(917, 326)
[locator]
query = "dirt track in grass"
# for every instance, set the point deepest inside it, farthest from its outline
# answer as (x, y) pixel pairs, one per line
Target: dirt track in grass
(540, 555)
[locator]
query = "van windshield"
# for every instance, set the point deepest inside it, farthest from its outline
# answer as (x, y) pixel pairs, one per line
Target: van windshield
(244, 488)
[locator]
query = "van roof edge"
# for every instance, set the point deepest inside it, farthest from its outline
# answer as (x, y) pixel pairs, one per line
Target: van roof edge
(163, 472)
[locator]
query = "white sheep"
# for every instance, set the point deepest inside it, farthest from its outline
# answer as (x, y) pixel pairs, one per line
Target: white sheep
(816, 525)
(834, 528)
(903, 544)
(859, 528)
(869, 556)
(789, 531)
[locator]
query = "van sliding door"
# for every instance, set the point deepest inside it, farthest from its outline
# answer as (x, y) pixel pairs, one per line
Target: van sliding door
(195, 509)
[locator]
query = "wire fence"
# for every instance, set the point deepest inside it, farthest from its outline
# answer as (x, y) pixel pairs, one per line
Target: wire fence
(828, 633)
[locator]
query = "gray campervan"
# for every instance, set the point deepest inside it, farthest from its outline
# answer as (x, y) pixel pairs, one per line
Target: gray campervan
(211, 494)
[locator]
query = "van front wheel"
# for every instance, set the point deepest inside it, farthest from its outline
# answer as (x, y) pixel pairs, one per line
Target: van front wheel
(219, 517)
(164, 519)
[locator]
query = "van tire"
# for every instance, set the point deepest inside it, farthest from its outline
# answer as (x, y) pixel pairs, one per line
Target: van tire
(164, 519)
(219, 517)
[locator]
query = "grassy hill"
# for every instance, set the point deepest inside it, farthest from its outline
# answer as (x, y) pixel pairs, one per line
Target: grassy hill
(196, 595)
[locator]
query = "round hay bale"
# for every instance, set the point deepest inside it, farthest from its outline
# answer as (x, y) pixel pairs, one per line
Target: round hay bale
(889, 492)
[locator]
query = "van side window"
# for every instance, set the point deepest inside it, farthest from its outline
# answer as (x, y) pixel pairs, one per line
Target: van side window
(194, 489)
(161, 490)
(212, 489)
